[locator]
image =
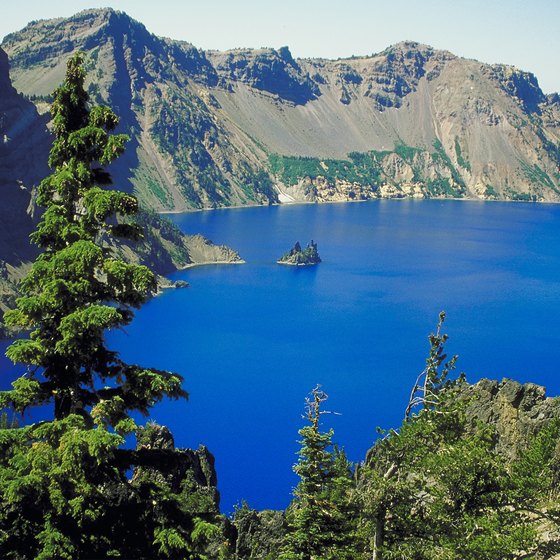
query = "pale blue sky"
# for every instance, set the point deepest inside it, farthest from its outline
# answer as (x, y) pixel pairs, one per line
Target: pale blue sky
(524, 33)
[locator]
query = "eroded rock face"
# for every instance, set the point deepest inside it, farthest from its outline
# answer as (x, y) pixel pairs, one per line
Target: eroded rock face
(270, 70)
(518, 412)
(204, 124)
(203, 251)
(521, 85)
(24, 145)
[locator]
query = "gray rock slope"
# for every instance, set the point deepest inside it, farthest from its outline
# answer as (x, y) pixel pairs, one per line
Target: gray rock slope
(232, 128)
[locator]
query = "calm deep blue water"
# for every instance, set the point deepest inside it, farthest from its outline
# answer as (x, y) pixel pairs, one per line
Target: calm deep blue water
(252, 340)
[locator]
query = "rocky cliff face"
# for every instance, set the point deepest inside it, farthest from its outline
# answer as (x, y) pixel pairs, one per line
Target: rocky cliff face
(163, 463)
(226, 128)
(517, 412)
(24, 146)
(181, 154)
(267, 70)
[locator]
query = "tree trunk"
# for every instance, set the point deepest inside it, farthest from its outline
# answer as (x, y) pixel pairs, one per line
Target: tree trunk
(379, 536)
(62, 404)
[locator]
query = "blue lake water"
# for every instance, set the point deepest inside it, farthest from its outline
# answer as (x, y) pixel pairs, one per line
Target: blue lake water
(252, 340)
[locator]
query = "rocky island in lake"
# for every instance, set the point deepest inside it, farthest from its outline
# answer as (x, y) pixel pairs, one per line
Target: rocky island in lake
(301, 257)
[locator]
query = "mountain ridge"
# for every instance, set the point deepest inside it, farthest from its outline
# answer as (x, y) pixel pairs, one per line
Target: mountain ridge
(24, 148)
(229, 128)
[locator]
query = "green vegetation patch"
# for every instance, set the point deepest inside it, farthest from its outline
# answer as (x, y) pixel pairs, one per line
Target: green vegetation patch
(551, 148)
(442, 186)
(259, 182)
(360, 168)
(441, 155)
(365, 168)
(537, 176)
(520, 196)
(182, 127)
(406, 152)
(465, 164)
(155, 188)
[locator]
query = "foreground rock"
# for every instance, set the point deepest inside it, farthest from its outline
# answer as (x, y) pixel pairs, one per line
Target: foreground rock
(301, 257)
(185, 476)
(517, 412)
(162, 462)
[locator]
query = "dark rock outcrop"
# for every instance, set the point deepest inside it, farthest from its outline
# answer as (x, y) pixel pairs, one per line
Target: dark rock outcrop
(161, 461)
(178, 485)
(397, 73)
(6, 88)
(521, 85)
(24, 145)
(273, 71)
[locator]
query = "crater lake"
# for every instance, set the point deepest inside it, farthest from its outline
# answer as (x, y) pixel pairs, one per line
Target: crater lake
(252, 340)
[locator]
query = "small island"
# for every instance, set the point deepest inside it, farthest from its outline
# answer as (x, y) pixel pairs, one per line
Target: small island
(301, 257)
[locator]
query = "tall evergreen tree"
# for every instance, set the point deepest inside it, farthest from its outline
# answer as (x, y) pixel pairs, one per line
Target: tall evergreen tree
(56, 476)
(319, 520)
(76, 289)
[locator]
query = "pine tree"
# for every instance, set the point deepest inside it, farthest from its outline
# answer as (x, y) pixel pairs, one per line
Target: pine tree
(76, 289)
(319, 516)
(435, 488)
(56, 476)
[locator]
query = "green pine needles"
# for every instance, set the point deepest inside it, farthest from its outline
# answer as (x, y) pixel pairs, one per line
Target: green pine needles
(76, 289)
(319, 517)
(435, 488)
(59, 478)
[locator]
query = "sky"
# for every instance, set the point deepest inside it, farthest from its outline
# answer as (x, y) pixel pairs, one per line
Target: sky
(523, 33)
